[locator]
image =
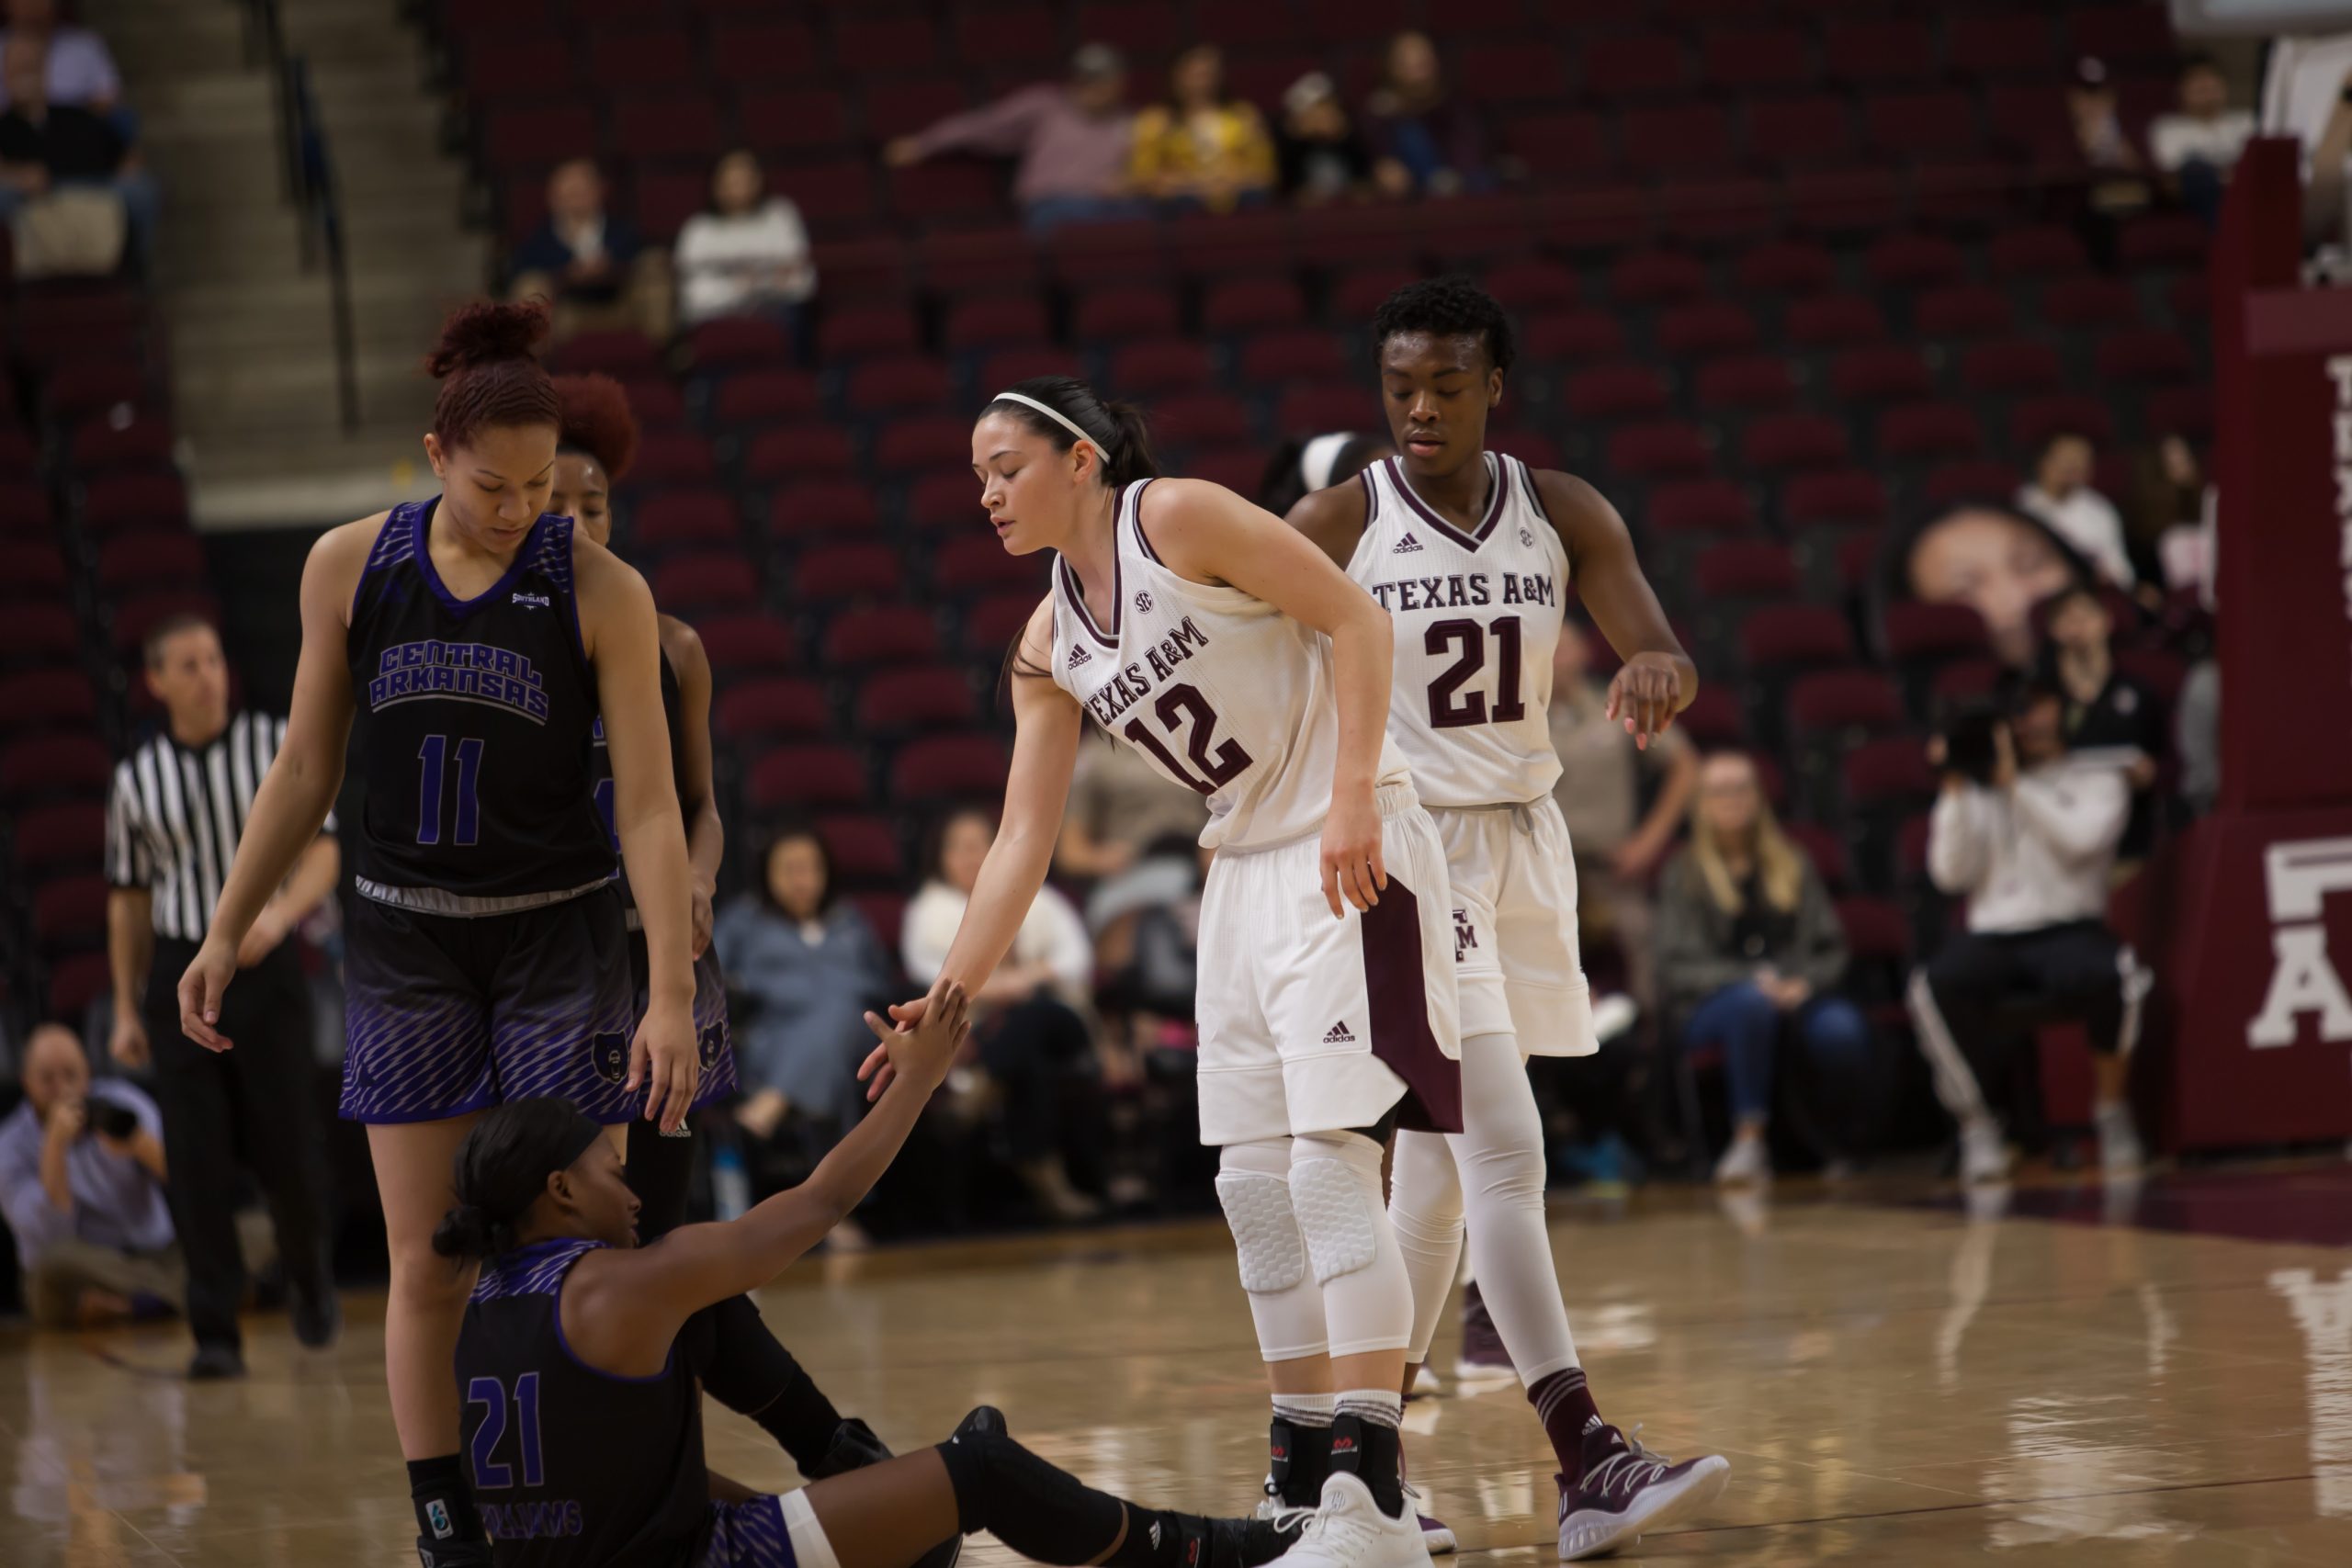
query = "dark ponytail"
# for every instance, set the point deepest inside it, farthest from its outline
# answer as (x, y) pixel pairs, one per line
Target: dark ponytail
(1117, 429)
(502, 1168)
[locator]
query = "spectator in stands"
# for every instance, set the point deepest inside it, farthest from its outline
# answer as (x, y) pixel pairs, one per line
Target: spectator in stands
(1119, 806)
(2028, 835)
(2105, 711)
(56, 158)
(1072, 138)
(2173, 523)
(79, 72)
(1318, 154)
(2119, 182)
(1425, 139)
(1749, 949)
(1999, 562)
(1202, 149)
(1617, 844)
(1028, 1020)
(2197, 146)
(747, 255)
(806, 967)
(589, 263)
(2061, 495)
(82, 1185)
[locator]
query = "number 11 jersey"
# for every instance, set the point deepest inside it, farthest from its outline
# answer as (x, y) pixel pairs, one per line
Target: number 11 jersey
(1220, 690)
(1477, 616)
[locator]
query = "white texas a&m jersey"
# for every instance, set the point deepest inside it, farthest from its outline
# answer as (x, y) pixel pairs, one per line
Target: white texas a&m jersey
(1476, 616)
(1222, 692)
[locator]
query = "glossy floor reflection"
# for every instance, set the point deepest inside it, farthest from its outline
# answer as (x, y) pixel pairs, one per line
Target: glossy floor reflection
(1898, 1384)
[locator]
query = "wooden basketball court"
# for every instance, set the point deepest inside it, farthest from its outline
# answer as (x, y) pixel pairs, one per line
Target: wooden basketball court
(1894, 1381)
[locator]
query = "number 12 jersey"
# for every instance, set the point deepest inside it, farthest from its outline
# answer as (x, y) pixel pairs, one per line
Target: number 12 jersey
(1476, 616)
(1219, 690)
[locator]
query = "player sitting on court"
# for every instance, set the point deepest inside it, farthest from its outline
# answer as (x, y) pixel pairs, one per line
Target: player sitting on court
(583, 1356)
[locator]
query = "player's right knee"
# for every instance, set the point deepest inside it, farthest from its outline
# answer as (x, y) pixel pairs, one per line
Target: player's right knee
(1253, 1184)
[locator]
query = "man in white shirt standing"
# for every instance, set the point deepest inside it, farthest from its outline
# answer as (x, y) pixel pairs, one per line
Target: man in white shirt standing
(2061, 495)
(2197, 147)
(2029, 839)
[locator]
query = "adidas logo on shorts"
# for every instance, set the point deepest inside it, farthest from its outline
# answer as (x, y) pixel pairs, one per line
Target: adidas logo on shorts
(1405, 546)
(1339, 1036)
(1077, 656)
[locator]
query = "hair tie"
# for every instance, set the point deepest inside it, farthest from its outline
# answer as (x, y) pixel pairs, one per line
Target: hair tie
(1056, 416)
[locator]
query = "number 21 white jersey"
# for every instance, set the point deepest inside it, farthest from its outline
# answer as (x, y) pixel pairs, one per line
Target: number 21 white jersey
(1477, 616)
(1221, 691)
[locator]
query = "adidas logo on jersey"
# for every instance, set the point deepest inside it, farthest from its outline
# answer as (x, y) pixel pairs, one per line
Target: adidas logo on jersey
(1077, 656)
(1405, 546)
(1338, 1034)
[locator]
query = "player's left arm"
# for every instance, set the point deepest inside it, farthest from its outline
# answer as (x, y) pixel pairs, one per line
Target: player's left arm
(1208, 533)
(623, 639)
(1658, 680)
(705, 835)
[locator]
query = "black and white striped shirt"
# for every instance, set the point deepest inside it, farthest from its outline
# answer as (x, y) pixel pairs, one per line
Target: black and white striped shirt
(177, 813)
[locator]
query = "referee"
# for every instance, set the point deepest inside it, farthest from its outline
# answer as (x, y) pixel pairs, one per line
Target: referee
(180, 802)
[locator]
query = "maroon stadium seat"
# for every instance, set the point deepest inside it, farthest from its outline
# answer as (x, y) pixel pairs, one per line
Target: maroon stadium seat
(1917, 432)
(1656, 278)
(806, 775)
(1998, 43)
(674, 127)
(1782, 443)
(49, 699)
(2144, 354)
(1560, 146)
(2041, 251)
(863, 847)
(1969, 479)
(32, 570)
(1679, 139)
(683, 517)
(1872, 52)
(1120, 310)
(1787, 636)
(54, 837)
(1746, 568)
(798, 451)
(126, 502)
(1928, 634)
(1516, 73)
(1794, 133)
(788, 123)
(1530, 285)
(1710, 326)
(762, 397)
(144, 559)
(2165, 238)
(1244, 303)
(39, 636)
(975, 561)
(947, 499)
(1713, 720)
(883, 385)
(1880, 373)
(623, 355)
(2010, 365)
(1531, 447)
(1694, 506)
(711, 581)
(1238, 468)
(942, 767)
(989, 323)
(1658, 450)
(2034, 420)
(1964, 679)
(1964, 310)
(1634, 65)
(673, 457)
(2134, 33)
(820, 507)
(70, 912)
(742, 644)
(1834, 320)
(1627, 389)
(1316, 407)
(141, 444)
(1914, 261)
(74, 391)
(2179, 411)
(1877, 930)
(1786, 267)
(923, 441)
(2090, 301)
(1748, 58)
(1160, 366)
(773, 707)
(1202, 419)
(991, 624)
(1755, 381)
(1573, 336)
(927, 697)
(539, 136)
(867, 330)
(1916, 126)
(1356, 294)
(1841, 496)
(1830, 700)
(1297, 354)
(1009, 366)
(888, 634)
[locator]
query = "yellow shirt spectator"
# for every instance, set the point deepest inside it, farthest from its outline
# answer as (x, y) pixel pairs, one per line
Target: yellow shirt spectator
(1200, 144)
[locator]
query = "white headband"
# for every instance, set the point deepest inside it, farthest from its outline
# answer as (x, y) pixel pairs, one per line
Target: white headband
(1056, 416)
(1320, 455)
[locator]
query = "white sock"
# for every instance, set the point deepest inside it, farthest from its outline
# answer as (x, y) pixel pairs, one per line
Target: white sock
(1381, 1407)
(1305, 1409)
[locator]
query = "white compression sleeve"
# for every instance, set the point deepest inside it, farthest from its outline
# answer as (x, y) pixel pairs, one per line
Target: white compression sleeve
(1350, 1246)
(1425, 1205)
(1285, 1301)
(1499, 1153)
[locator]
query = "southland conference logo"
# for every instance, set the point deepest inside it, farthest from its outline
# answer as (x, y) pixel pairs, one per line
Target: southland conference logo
(2303, 979)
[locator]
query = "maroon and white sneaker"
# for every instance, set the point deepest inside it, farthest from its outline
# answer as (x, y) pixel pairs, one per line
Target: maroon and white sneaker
(1483, 1360)
(1626, 1489)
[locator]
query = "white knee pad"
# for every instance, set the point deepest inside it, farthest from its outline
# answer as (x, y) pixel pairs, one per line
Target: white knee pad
(1335, 1190)
(1253, 1184)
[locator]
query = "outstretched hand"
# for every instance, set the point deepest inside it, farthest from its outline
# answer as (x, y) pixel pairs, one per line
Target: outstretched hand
(920, 1038)
(1645, 696)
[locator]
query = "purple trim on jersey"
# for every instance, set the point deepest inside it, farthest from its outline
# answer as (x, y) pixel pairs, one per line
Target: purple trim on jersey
(1077, 597)
(1133, 500)
(395, 541)
(531, 543)
(552, 558)
(1486, 526)
(748, 1535)
(537, 1269)
(1397, 996)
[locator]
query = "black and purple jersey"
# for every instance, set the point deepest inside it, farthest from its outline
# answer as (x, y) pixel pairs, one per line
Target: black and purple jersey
(473, 728)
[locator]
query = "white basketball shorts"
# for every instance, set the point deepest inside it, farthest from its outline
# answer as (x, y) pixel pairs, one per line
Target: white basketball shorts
(1518, 963)
(1316, 1024)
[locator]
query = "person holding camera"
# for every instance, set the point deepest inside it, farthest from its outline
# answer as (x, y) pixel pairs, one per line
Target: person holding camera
(2028, 835)
(82, 1185)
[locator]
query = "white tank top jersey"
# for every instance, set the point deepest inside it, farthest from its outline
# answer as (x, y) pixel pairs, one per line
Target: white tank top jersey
(1218, 689)
(1476, 616)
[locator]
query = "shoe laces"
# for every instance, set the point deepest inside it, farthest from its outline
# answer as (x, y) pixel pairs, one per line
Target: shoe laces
(1630, 1467)
(1339, 1530)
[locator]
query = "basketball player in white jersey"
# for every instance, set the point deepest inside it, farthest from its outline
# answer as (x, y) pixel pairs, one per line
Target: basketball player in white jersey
(1192, 626)
(1471, 553)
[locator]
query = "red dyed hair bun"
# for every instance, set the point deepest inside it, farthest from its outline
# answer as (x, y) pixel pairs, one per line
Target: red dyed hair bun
(488, 332)
(490, 371)
(597, 420)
